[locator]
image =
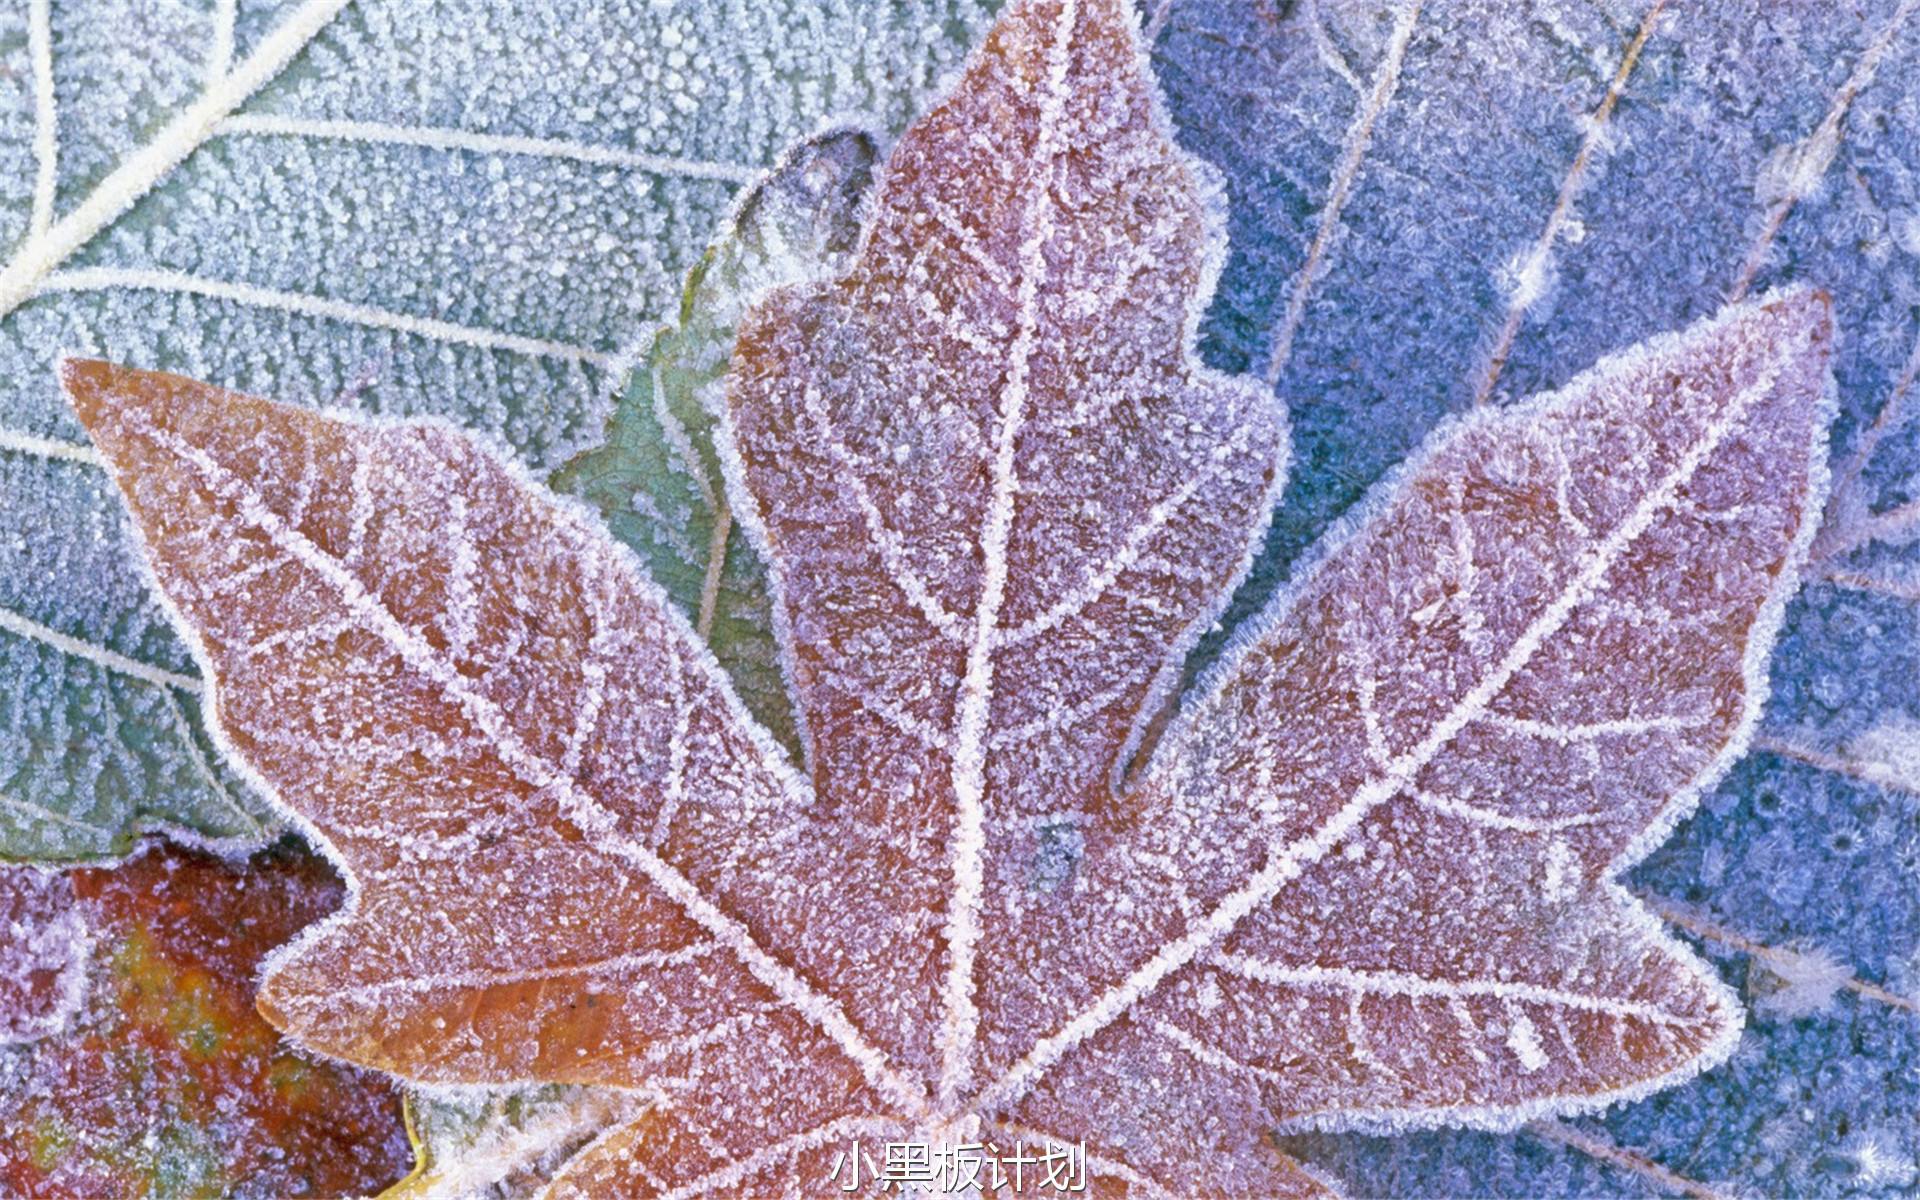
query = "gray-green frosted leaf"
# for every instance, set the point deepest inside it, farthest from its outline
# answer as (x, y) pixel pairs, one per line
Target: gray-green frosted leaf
(475, 209)
(100, 725)
(656, 477)
(502, 1145)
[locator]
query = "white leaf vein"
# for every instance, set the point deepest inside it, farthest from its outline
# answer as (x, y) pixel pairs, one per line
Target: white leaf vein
(23, 626)
(39, 254)
(960, 1026)
(1348, 981)
(27, 443)
(46, 126)
(428, 137)
(91, 279)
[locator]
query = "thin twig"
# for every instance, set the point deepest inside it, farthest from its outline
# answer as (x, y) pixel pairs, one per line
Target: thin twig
(1598, 1147)
(1563, 205)
(1862, 581)
(1820, 149)
(1693, 922)
(1865, 772)
(1345, 175)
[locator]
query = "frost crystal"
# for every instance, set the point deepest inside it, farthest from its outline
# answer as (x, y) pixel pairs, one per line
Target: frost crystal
(43, 954)
(159, 1077)
(1798, 983)
(1363, 876)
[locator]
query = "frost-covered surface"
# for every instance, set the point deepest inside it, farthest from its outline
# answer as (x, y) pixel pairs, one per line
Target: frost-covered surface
(1462, 124)
(503, 1145)
(655, 477)
(160, 1078)
(43, 955)
(1465, 132)
(1364, 877)
(472, 209)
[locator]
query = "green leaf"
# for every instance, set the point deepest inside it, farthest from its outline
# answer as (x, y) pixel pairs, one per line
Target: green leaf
(656, 478)
(502, 1144)
(478, 210)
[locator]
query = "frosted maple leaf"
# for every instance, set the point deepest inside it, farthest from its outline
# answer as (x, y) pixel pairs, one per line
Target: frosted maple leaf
(1362, 874)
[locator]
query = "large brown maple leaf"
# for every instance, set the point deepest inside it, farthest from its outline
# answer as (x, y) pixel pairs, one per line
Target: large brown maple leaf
(1364, 874)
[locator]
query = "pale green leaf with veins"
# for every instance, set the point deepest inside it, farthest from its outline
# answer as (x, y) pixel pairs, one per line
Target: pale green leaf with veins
(656, 478)
(505, 1145)
(478, 210)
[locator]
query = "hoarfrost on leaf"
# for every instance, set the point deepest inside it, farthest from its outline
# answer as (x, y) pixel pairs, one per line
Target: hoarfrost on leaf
(1364, 875)
(44, 946)
(159, 1076)
(656, 478)
(503, 1145)
(1797, 983)
(478, 211)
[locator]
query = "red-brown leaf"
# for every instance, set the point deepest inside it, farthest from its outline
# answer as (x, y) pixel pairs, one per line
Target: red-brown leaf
(159, 1077)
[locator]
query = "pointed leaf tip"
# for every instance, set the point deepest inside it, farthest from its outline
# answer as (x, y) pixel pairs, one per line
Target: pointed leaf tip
(1806, 310)
(87, 381)
(100, 390)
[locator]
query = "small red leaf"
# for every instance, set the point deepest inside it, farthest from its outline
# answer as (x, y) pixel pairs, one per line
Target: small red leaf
(160, 1076)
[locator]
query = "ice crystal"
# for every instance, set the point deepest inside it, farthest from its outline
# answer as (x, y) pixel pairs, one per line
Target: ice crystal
(1384, 164)
(1795, 983)
(656, 479)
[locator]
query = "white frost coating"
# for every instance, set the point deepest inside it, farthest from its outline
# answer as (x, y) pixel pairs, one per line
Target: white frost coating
(1393, 983)
(892, 551)
(500, 1148)
(1345, 175)
(1101, 580)
(1807, 981)
(1561, 881)
(46, 122)
(1530, 273)
(1890, 752)
(36, 812)
(43, 931)
(555, 249)
(27, 443)
(1795, 172)
(961, 1029)
(250, 825)
(1499, 820)
(486, 143)
(41, 253)
(220, 48)
(1285, 863)
(1377, 855)
(1505, 1118)
(728, 1179)
(97, 278)
(14, 623)
(592, 817)
(1760, 638)
(1594, 730)
(1524, 1040)
(987, 695)
(486, 979)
